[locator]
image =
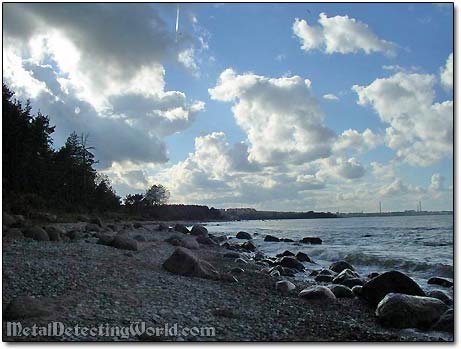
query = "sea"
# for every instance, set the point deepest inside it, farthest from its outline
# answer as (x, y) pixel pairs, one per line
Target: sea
(419, 246)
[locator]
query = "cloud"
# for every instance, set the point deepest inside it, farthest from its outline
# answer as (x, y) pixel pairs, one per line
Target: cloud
(187, 59)
(446, 73)
(280, 116)
(437, 182)
(420, 130)
(340, 34)
(360, 142)
(330, 97)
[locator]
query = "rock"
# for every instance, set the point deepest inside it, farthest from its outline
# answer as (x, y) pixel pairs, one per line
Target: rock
(75, 235)
(441, 295)
(97, 221)
(406, 311)
(288, 271)
(373, 275)
(348, 278)
(269, 262)
(36, 233)
(240, 261)
(92, 227)
(191, 244)
(285, 253)
(205, 240)
(284, 286)
(231, 255)
(112, 227)
(184, 262)
(249, 246)
(104, 239)
(237, 270)
(243, 235)
(352, 282)
(25, 307)
(124, 243)
(163, 226)
(228, 277)
(327, 272)
(323, 278)
(312, 240)
(314, 273)
(357, 291)
(218, 239)
(317, 293)
(83, 218)
(440, 282)
(274, 273)
(338, 267)
(287, 240)
(181, 228)
(137, 225)
(270, 238)
(139, 238)
(7, 219)
(199, 230)
(341, 291)
(44, 216)
(55, 233)
(393, 281)
(291, 262)
(13, 234)
(302, 257)
(259, 256)
(446, 323)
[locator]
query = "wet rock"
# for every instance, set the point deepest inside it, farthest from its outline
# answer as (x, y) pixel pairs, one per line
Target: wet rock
(240, 261)
(288, 271)
(284, 286)
(124, 243)
(274, 273)
(237, 270)
(285, 253)
(231, 255)
(140, 238)
(270, 238)
(184, 262)
(302, 257)
(162, 227)
(440, 281)
(75, 235)
(13, 234)
(373, 275)
(446, 322)
(92, 227)
(104, 239)
(36, 233)
(55, 233)
(137, 225)
(327, 272)
(249, 246)
(352, 282)
(287, 240)
(311, 240)
(181, 228)
(357, 291)
(390, 282)
(112, 227)
(341, 291)
(317, 293)
(323, 278)
(191, 244)
(205, 240)
(243, 235)
(339, 266)
(314, 273)
(199, 230)
(25, 307)
(441, 295)
(399, 310)
(344, 275)
(228, 277)
(259, 256)
(291, 262)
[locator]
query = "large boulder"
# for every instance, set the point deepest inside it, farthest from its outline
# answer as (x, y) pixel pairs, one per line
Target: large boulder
(36, 233)
(323, 278)
(311, 240)
(25, 307)
(291, 262)
(184, 262)
(284, 286)
(393, 281)
(348, 278)
(75, 234)
(440, 281)
(189, 243)
(341, 291)
(249, 246)
(97, 221)
(270, 238)
(440, 295)
(302, 257)
(399, 310)
(285, 253)
(199, 230)
(105, 239)
(124, 243)
(317, 293)
(181, 228)
(205, 240)
(243, 235)
(446, 322)
(55, 233)
(339, 266)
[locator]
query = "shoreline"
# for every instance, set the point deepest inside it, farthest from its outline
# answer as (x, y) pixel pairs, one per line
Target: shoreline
(90, 283)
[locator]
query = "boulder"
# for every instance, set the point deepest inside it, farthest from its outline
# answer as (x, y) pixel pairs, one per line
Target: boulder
(373, 275)
(97, 221)
(205, 240)
(237, 270)
(323, 278)
(7, 219)
(184, 262)
(105, 239)
(345, 274)
(231, 255)
(112, 227)
(393, 281)
(44, 216)
(92, 227)
(440, 295)
(270, 238)
(311, 240)
(287, 240)
(341, 291)
(285, 253)
(291, 262)
(13, 234)
(181, 228)
(243, 235)
(314, 273)
(274, 273)
(55, 233)
(75, 235)
(327, 272)
(25, 307)
(163, 226)
(339, 266)
(440, 281)
(137, 225)
(199, 230)
(140, 238)
(284, 286)
(190, 243)
(352, 282)
(124, 243)
(446, 323)
(36, 233)
(302, 257)
(399, 310)
(83, 218)
(249, 246)
(240, 261)
(357, 290)
(228, 277)
(317, 293)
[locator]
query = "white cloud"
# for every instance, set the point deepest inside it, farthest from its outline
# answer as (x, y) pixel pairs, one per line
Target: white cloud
(187, 59)
(420, 131)
(330, 97)
(437, 182)
(446, 73)
(280, 116)
(354, 140)
(340, 34)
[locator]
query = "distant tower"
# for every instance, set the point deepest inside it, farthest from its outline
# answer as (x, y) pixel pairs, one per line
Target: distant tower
(419, 206)
(380, 208)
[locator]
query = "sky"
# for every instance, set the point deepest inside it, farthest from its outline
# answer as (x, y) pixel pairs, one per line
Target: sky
(326, 107)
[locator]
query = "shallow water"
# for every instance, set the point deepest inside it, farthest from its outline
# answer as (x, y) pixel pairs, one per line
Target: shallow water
(420, 246)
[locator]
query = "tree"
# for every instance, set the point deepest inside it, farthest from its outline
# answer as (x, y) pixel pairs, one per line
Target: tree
(157, 195)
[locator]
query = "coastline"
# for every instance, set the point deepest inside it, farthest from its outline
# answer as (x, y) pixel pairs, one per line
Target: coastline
(88, 283)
